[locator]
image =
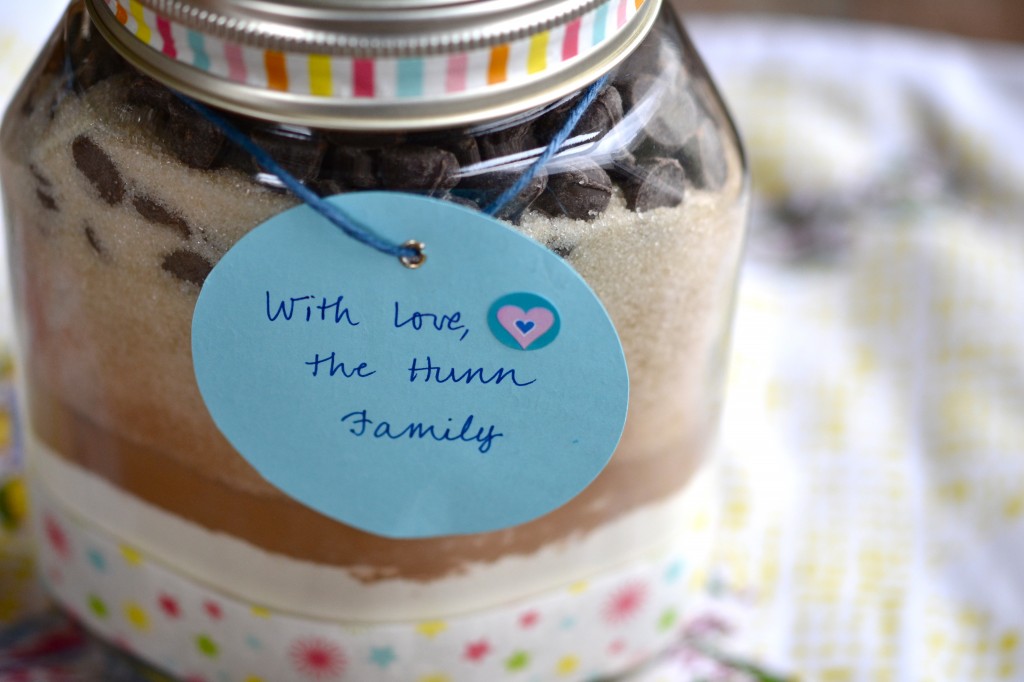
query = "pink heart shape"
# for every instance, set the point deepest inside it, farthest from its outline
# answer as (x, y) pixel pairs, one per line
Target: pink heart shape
(534, 321)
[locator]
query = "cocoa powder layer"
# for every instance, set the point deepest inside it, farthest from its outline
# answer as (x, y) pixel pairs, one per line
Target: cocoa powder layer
(280, 525)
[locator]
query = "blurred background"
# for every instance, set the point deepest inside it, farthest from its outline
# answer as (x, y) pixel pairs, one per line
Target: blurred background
(993, 19)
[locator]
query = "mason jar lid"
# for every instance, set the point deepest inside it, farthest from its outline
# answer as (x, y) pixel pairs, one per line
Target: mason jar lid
(375, 64)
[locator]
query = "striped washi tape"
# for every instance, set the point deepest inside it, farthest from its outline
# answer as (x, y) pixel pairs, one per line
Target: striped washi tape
(379, 79)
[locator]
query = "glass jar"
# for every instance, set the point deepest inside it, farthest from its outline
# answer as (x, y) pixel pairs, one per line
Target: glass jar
(120, 199)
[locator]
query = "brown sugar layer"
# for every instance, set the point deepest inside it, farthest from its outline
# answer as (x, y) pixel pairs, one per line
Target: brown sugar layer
(280, 525)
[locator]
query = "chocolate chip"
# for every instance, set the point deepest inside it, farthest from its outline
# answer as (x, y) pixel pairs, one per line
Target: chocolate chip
(98, 168)
(679, 114)
(94, 242)
(144, 91)
(351, 167)
(659, 182)
(505, 142)
(188, 266)
(674, 114)
(485, 188)
(46, 200)
(513, 210)
(580, 193)
(601, 116)
(465, 150)
(417, 169)
(704, 158)
(298, 150)
(156, 213)
(193, 139)
(653, 55)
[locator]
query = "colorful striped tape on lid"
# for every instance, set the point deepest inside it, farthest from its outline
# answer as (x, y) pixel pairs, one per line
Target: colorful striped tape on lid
(389, 64)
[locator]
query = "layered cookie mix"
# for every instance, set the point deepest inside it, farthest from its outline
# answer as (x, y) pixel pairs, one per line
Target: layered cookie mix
(121, 199)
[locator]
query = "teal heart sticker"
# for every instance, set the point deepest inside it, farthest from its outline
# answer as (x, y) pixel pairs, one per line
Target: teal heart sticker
(524, 321)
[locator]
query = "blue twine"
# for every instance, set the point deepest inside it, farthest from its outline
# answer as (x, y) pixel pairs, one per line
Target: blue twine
(360, 232)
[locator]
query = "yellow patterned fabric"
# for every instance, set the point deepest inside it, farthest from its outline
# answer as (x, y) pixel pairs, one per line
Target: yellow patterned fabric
(873, 482)
(20, 593)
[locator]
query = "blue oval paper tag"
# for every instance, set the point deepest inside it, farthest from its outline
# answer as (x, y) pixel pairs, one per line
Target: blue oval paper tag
(479, 392)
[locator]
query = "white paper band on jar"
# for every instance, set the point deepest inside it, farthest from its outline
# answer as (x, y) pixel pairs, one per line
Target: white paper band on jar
(590, 629)
(379, 79)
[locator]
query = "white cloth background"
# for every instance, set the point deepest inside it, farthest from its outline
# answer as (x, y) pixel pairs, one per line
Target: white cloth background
(873, 489)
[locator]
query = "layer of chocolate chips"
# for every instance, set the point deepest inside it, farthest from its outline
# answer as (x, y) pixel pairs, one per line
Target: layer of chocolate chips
(675, 144)
(98, 168)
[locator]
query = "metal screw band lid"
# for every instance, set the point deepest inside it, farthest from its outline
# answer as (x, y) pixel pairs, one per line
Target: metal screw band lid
(375, 64)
